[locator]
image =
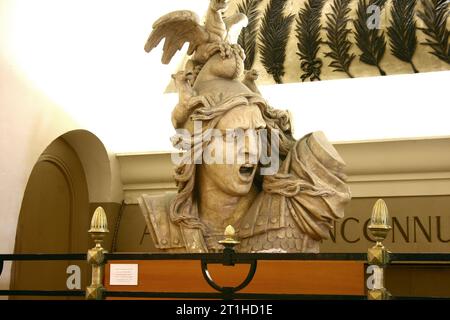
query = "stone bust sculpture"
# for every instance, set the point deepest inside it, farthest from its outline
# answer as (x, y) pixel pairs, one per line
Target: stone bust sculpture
(284, 201)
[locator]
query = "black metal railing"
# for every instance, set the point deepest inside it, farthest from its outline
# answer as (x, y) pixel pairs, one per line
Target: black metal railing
(42, 257)
(228, 258)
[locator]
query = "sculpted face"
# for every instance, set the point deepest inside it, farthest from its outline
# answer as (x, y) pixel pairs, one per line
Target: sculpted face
(236, 178)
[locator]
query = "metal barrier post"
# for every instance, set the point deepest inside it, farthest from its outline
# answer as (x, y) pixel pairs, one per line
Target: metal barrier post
(96, 255)
(378, 255)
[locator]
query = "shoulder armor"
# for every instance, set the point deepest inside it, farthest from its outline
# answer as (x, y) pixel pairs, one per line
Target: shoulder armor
(265, 214)
(165, 234)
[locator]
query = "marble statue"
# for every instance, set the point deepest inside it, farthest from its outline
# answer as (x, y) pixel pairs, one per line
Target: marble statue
(289, 210)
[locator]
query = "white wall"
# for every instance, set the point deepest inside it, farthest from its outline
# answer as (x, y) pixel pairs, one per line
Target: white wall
(51, 82)
(29, 121)
(392, 107)
(88, 57)
(74, 64)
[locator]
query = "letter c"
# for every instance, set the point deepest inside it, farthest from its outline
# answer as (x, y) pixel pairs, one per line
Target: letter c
(344, 223)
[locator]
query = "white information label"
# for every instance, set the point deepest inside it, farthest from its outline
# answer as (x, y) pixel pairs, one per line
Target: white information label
(123, 275)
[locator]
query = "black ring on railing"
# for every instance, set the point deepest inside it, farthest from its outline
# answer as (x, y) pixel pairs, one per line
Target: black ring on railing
(228, 290)
(210, 258)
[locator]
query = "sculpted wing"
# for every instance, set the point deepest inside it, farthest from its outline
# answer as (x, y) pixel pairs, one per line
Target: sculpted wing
(236, 19)
(177, 28)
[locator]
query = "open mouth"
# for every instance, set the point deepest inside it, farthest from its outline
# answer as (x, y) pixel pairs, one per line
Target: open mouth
(246, 170)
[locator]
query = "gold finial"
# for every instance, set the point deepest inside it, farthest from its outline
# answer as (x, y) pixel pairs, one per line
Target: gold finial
(99, 223)
(378, 255)
(99, 226)
(96, 255)
(379, 223)
(230, 237)
(229, 232)
(380, 213)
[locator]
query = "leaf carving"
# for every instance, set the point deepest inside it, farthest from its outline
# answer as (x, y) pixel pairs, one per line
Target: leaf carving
(273, 38)
(371, 42)
(434, 15)
(337, 37)
(247, 37)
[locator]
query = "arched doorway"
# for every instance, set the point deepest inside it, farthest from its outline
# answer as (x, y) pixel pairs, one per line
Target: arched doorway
(54, 218)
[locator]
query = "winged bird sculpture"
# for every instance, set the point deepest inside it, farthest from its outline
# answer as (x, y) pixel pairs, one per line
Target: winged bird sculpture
(212, 54)
(183, 26)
